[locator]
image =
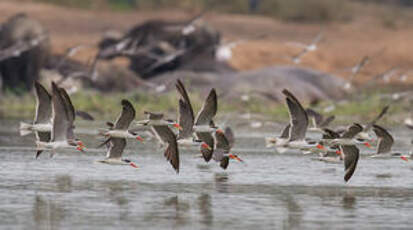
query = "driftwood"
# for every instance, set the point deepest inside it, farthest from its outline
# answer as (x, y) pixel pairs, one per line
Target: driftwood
(24, 49)
(155, 47)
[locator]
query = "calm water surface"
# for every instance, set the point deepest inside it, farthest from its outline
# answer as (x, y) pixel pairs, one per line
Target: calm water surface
(270, 191)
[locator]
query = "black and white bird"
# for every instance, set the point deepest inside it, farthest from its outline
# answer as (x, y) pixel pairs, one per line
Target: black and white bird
(116, 141)
(63, 116)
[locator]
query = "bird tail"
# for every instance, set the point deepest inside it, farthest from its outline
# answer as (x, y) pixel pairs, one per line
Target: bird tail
(270, 142)
(25, 128)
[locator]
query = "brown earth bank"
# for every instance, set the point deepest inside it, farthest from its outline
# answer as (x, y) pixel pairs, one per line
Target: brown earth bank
(343, 45)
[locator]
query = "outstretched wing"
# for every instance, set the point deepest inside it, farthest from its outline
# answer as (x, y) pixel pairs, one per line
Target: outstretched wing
(298, 117)
(375, 120)
(116, 147)
(126, 117)
(43, 104)
(386, 140)
(351, 157)
(208, 110)
(352, 131)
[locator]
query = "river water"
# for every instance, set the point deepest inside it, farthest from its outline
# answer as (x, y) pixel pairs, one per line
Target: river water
(270, 191)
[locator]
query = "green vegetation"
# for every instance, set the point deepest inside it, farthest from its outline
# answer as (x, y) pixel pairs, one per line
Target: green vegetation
(107, 106)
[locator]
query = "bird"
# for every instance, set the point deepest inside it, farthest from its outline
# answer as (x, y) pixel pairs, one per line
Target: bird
(120, 128)
(156, 119)
(117, 135)
(296, 59)
(331, 154)
(222, 149)
(355, 70)
(347, 138)
(63, 116)
(385, 143)
(114, 154)
(365, 132)
(297, 127)
(186, 120)
(205, 124)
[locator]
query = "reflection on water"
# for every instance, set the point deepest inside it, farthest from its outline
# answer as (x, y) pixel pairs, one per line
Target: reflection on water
(205, 209)
(47, 213)
(63, 183)
(221, 182)
(294, 213)
(349, 201)
(284, 192)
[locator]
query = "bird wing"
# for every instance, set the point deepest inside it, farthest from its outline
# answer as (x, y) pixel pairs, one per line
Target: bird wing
(317, 117)
(375, 120)
(208, 110)
(126, 116)
(298, 117)
(386, 140)
(352, 131)
(185, 119)
(116, 147)
(351, 157)
(171, 153)
(224, 162)
(71, 115)
(184, 94)
(60, 116)
(286, 132)
(222, 142)
(327, 121)
(43, 104)
(330, 134)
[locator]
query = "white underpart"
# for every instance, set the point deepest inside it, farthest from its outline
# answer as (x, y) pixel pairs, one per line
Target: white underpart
(120, 134)
(188, 142)
(113, 161)
(203, 128)
(54, 145)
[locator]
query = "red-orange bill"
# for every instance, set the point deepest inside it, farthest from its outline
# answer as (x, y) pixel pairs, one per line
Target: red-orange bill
(133, 165)
(404, 158)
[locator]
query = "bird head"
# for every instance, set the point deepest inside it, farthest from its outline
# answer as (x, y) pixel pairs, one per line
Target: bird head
(206, 146)
(80, 146)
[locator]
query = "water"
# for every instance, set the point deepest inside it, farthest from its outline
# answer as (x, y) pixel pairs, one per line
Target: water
(271, 191)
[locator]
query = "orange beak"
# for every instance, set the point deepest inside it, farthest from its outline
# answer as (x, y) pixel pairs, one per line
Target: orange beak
(139, 138)
(176, 125)
(367, 144)
(235, 157)
(404, 158)
(205, 146)
(133, 165)
(80, 148)
(320, 147)
(338, 152)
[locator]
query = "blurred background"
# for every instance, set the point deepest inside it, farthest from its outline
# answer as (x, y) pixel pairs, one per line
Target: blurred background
(104, 50)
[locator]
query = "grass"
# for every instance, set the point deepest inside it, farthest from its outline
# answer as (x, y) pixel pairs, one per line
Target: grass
(107, 106)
